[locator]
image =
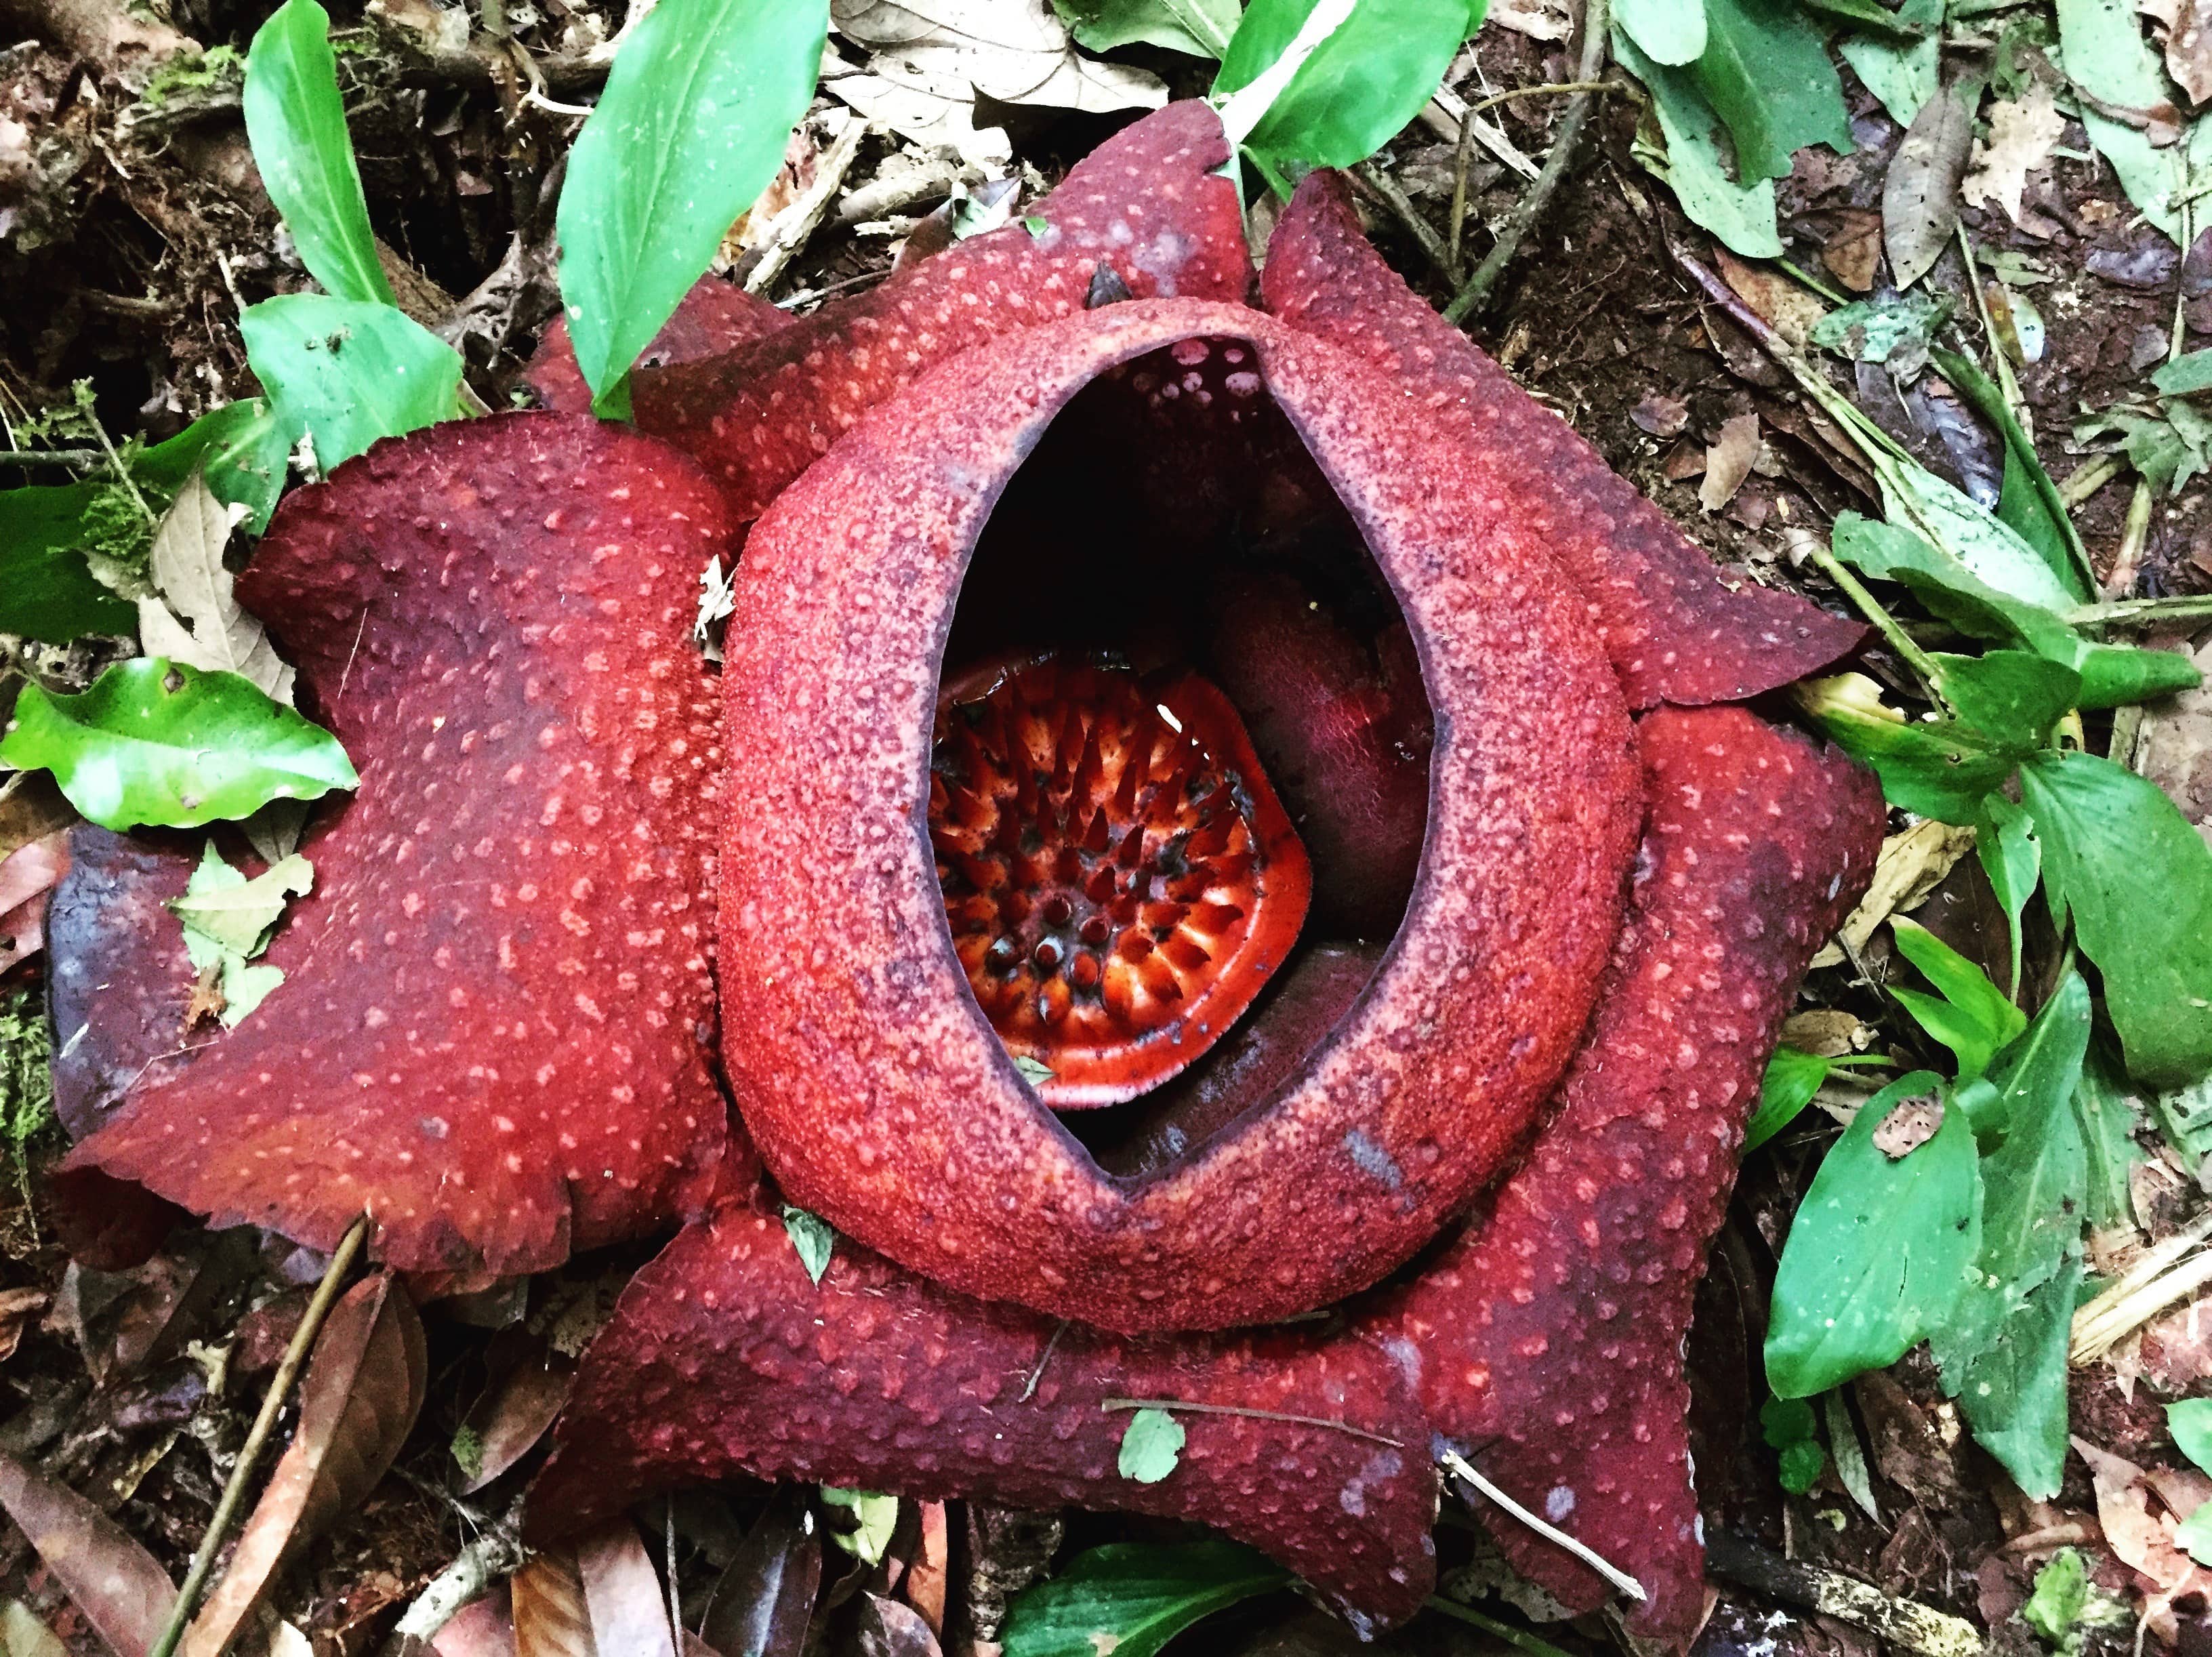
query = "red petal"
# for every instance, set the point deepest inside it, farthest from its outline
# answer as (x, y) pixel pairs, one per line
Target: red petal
(492, 1034)
(722, 1358)
(876, 1090)
(1675, 632)
(1145, 202)
(714, 317)
(1549, 1338)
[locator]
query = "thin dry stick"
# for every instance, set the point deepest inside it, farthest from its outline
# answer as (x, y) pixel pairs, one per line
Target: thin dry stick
(52, 457)
(1477, 286)
(1043, 1359)
(1465, 157)
(257, 1439)
(1109, 1405)
(1460, 1467)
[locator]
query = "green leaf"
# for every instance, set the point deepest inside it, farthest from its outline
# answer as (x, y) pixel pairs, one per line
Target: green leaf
(1874, 18)
(2012, 697)
(1791, 1079)
(2137, 881)
(1970, 1016)
(1351, 95)
(2013, 1392)
(1880, 1249)
(2011, 856)
(1801, 1465)
(813, 1238)
(240, 449)
(1893, 330)
(1152, 1444)
(1670, 32)
(2194, 1534)
(347, 372)
(692, 127)
(2106, 55)
(1903, 77)
(1200, 28)
(1741, 213)
(2108, 1114)
(2061, 1593)
(1131, 1598)
(1940, 769)
(2191, 1423)
(2185, 376)
(2185, 1118)
(226, 913)
(875, 1518)
(2028, 500)
(1034, 1070)
(297, 126)
(1786, 1421)
(171, 746)
(1766, 69)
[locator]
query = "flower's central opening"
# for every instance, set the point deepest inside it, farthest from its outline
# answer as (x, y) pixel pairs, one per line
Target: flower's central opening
(1120, 878)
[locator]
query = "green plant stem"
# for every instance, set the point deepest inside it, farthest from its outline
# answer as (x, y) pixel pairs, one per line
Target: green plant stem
(2006, 380)
(1871, 607)
(2085, 479)
(1809, 280)
(1465, 157)
(257, 1438)
(1477, 287)
(2141, 612)
(1533, 1644)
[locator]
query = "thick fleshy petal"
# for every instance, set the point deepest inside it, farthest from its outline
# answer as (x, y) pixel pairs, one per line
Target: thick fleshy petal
(714, 318)
(1147, 203)
(493, 1035)
(1675, 632)
(1547, 1339)
(722, 1358)
(877, 1091)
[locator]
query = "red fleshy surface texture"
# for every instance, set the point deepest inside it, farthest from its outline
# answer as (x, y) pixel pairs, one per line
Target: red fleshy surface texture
(722, 1358)
(1547, 1339)
(1145, 202)
(1675, 632)
(715, 317)
(872, 1085)
(493, 1032)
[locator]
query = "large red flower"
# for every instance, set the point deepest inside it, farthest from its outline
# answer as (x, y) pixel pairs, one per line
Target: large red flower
(1271, 727)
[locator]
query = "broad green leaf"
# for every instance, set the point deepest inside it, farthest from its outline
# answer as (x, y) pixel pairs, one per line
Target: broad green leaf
(297, 126)
(1356, 90)
(155, 743)
(1801, 1465)
(812, 1238)
(1880, 1250)
(1893, 330)
(2191, 1423)
(1940, 769)
(1904, 76)
(1131, 1598)
(2194, 1534)
(349, 372)
(1152, 1444)
(2106, 55)
(690, 128)
(1667, 31)
(1766, 70)
(2010, 855)
(2013, 1392)
(1791, 1079)
(226, 913)
(1741, 214)
(2122, 860)
(1786, 1421)
(2108, 1113)
(240, 449)
(1200, 27)
(2185, 376)
(2011, 697)
(1970, 1016)
(875, 1518)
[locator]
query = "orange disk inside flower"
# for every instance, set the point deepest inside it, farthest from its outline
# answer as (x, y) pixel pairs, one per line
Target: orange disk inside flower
(1120, 878)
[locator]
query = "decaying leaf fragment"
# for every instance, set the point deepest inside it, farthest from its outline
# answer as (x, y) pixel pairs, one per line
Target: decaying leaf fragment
(197, 619)
(122, 1590)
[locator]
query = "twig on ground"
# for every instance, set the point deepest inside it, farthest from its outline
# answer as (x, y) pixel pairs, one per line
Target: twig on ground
(1476, 289)
(52, 457)
(1459, 1467)
(1446, 115)
(257, 1438)
(797, 224)
(1401, 207)
(498, 1552)
(1465, 153)
(1043, 1359)
(2161, 1277)
(1905, 1623)
(2141, 612)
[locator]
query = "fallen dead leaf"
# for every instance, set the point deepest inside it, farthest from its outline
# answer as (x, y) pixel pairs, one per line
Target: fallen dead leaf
(1660, 415)
(551, 1618)
(1791, 310)
(1828, 1031)
(17, 1308)
(2144, 1540)
(1853, 254)
(1910, 1124)
(2023, 131)
(1729, 460)
(1920, 192)
(196, 620)
(2176, 1350)
(621, 1594)
(885, 1628)
(764, 1598)
(1539, 20)
(2189, 46)
(482, 1628)
(26, 878)
(514, 1414)
(927, 1578)
(2173, 747)
(362, 1390)
(1911, 865)
(123, 1592)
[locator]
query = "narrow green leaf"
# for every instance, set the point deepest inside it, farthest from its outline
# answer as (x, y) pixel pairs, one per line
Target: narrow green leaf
(348, 373)
(1766, 69)
(2013, 1392)
(1791, 1079)
(2122, 860)
(1152, 1444)
(1972, 1016)
(2010, 855)
(1880, 1251)
(690, 128)
(1357, 89)
(1903, 77)
(171, 746)
(1670, 32)
(1740, 212)
(2028, 500)
(2185, 376)
(812, 1238)
(2108, 1113)
(1131, 1598)
(297, 126)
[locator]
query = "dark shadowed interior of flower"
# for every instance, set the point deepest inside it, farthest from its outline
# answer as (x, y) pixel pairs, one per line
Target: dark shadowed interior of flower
(1179, 779)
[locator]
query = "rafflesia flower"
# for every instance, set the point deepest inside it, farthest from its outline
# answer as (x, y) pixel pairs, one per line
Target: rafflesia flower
(1220, 814)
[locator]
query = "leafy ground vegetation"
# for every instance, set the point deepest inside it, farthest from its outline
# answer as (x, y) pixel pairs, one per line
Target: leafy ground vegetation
(1905, 308)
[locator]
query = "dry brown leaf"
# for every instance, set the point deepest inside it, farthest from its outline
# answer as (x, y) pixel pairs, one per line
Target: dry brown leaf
(2188, 48)
(764, 1598)
(1920, 192)
(927, 1578)
(362, 1390)
(885, 1628)
(1910, 866)
(929, 59)
(26, 877)
(2175, 1350)
(1660, 415)
(2173, 747)
(1828, 1031)
(514, 1414)
(1910, 1124)
(2144, 1540)
(17, 1308)
(118, 1585)
(550, 1619)
(1853, 254)
(1728, 461)
(1791, 310)
(196, 620)
(623, 1594)
(2023, 131)
(1539, 20)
